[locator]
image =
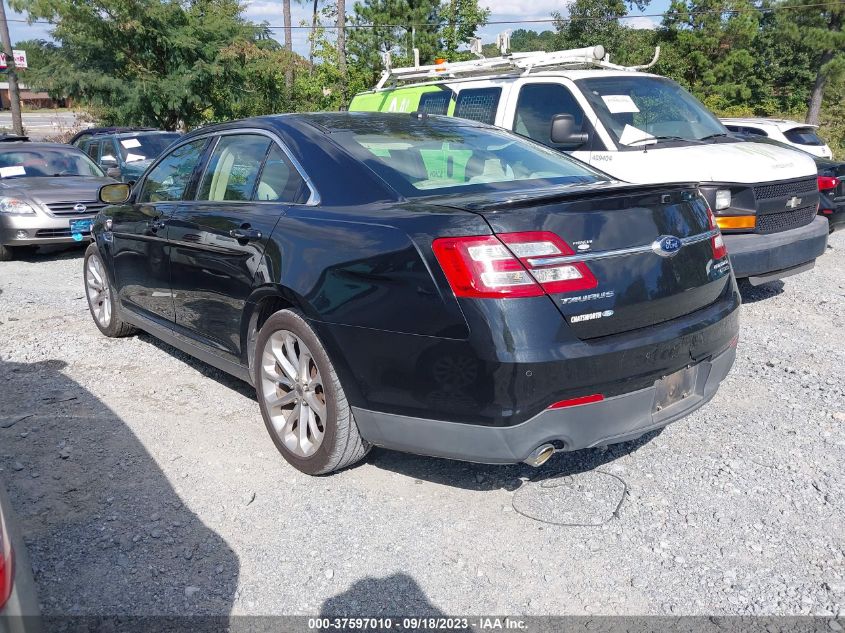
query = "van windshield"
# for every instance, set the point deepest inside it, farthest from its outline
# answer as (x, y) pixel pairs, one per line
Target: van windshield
(640, 110)
(443, 158)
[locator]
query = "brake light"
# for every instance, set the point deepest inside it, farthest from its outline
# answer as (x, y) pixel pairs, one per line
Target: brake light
(7, 564)
(717, 241)
(574, 402)
(828, 182)
(510, 265)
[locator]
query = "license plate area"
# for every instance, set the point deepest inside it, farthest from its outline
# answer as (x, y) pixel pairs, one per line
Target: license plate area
(674, 388)
(80, 226)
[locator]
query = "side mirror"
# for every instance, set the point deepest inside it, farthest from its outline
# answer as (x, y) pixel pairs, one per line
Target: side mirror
(563, 131)
(113, 172)
(116, 193)
(108, 158)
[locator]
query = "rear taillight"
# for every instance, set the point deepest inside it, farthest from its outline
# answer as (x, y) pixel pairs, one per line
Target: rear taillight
(717, 242)
(828, 182)
(510, 265)
(575, 402)
(7, 564)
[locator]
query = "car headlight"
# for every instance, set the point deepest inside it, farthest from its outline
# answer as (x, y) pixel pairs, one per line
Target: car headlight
(723, 199)
(13, 206)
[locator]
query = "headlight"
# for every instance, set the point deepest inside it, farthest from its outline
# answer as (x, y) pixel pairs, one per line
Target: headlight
(723, 199)
(13, 206)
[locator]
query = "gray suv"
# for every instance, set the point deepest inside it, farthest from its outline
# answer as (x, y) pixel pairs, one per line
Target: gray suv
(125, 154)
(48, 195)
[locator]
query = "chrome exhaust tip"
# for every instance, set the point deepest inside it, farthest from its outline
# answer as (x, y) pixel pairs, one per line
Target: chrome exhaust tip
(540, 455)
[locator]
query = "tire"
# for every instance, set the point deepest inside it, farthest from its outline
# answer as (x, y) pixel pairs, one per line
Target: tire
(11, 253)
(317, 439)
(101, 301)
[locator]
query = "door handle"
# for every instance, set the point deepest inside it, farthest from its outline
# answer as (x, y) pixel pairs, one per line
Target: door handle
(155, 225)
(245, 234)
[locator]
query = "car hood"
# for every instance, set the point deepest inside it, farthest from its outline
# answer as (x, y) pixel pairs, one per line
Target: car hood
(55, 189)
(741, 162)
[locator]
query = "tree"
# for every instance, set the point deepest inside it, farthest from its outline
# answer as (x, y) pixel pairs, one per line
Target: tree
(288, 43)
(146, 62)
(465, 17)
(818, 30)
(341, 49)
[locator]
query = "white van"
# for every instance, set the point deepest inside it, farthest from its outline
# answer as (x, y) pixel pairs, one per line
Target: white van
(637, 127)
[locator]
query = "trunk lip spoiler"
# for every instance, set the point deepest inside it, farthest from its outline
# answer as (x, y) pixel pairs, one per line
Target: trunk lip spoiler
(621, 252)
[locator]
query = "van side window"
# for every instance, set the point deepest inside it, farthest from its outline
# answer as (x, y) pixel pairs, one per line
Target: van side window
(536, 106)
(435, 102)
(478, 104)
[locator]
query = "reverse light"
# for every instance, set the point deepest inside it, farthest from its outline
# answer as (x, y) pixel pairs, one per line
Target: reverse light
(574, 402)
(717, 242)
(7, 564)
(13, 206)
(828, 182)
(505, 265)
(736, 221)
(723, 199)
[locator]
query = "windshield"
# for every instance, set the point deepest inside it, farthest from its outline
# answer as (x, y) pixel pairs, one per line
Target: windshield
(638, 109)
(144, 147)
(441, 159)
(35, 162)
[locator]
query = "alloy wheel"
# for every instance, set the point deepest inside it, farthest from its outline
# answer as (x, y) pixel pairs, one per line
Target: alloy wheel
(98, 291)
(293, 393)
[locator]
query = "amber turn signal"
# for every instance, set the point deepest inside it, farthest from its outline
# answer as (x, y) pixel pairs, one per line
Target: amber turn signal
(736, 221)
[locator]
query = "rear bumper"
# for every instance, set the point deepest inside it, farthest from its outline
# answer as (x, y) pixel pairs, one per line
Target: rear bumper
(617, 419)
(772, 256)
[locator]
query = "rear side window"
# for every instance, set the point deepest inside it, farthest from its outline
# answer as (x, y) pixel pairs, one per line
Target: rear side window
(233, 168)
(170, 178)
(478, 104)
(92, 148)
(744, 129)
(536, 106)
(803, 136)
(280, 181)
(435, 102)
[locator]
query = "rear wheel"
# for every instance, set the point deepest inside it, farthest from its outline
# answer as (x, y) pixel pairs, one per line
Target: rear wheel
(101, 301)
(301, 399)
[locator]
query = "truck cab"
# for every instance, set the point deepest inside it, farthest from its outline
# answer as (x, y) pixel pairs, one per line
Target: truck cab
(637, 127)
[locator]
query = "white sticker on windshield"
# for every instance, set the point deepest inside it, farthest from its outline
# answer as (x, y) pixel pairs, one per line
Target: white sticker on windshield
(620, 103)
(631, 134)
(133, 158)
(14, 170)
(129, 143)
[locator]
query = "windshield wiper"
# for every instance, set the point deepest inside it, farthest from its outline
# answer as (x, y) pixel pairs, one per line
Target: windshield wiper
(712, 136)
(663, 138)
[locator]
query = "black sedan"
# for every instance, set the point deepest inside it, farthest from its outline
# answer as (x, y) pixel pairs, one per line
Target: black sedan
(831, 181)
(427, 284)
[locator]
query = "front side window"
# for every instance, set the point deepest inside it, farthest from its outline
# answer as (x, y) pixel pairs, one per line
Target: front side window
(233, 168)
(536, 106)
(803, 136)
(639, 109)
(170, 178)
(478, 104)
(44, 161)
(439, 158)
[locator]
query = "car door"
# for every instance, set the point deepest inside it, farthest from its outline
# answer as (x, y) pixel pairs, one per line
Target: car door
(141, 256)
(217, 240)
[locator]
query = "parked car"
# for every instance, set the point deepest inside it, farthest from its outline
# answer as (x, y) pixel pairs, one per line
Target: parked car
(124, 153)
(19, 611)
(831, 179)
(93, 131)
(802, 136)
(420, 283)
(638, 127)
(48, 195)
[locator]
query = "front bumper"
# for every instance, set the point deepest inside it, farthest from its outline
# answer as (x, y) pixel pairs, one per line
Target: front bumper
(617, 419)
(39, 229)
(772, 256)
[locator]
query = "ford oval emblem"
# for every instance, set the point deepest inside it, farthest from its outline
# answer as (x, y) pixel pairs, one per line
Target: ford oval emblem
(666, 245)
(80, 208)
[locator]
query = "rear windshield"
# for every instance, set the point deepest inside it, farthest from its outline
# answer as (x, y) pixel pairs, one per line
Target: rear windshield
(36, 162)
(803, 136)
(426, 160)
(144, 147)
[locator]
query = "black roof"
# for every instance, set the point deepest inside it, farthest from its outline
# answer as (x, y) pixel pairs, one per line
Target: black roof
(94, 131)
(8, 138)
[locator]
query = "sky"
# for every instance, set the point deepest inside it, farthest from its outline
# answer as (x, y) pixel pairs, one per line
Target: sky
(271, 12)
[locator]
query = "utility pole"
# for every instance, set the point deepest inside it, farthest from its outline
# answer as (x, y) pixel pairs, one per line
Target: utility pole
(14, 93)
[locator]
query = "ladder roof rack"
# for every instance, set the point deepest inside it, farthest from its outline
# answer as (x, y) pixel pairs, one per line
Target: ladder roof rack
(513, 63)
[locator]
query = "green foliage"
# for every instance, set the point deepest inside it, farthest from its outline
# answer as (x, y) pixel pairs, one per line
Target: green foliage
(464, 18)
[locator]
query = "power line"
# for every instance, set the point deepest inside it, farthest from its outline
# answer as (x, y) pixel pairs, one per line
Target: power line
(532, 21)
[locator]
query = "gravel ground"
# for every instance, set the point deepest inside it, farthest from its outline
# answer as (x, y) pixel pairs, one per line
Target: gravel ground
(146, 484)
